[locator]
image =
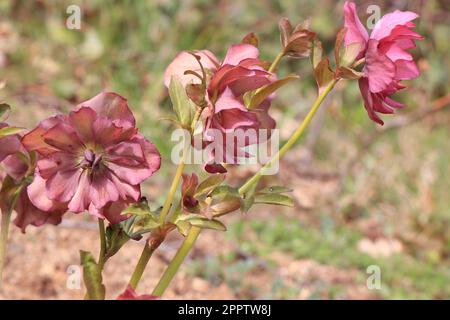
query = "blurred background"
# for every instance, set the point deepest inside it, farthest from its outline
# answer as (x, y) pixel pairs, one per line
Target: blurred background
(365, 195)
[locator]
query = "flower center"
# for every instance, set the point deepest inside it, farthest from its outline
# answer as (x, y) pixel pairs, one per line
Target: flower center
(91, 160)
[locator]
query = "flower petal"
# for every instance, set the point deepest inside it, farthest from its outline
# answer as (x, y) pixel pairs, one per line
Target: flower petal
(63, 137)
(28, 214)
(379, 68)
(82, 197)
(368, 100)
(356, 33)
(228, 100)
(63, 184)
(185, 61)
(38, 196)
(110, 105)
(238, 52)
(82, 120)
(34, 140)
(108, 133)
(103, 190)
(406, 70)
(388, 22)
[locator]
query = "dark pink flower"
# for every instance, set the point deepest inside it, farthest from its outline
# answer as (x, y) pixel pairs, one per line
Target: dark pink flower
(130, 294)
(240, 72)
(16, 168)
(387, 60)
(93, 159)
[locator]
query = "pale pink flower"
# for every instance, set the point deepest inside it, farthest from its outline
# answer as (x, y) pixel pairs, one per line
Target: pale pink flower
(93, 159)
(387, 60)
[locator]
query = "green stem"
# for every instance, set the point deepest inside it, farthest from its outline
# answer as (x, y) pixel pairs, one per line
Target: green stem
(176, 180)
(176, 262)
(275, 62)
(142, 263)
(102, 254)
(6, 217)
(4, 231)
(173, 189)
(194, 232)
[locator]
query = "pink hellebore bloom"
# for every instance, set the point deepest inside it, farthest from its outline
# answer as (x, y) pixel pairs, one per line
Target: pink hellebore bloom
(240, 72)
(16, 168)
(93, 159)
(387, 59)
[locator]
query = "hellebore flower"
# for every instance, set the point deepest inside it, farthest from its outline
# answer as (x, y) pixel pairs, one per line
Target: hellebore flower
(387, 61)
(92, 159)
(240, 72)
(14, 177)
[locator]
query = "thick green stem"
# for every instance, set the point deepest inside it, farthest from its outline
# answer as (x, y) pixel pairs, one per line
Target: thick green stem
(6, 217)
(194, 232)
(140, 267)
(176, 262)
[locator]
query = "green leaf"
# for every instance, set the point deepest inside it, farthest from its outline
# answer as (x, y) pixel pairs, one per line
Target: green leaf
(181, 103)
(275, 198)
(247, 203)
(228, 204)
(198, 220)
(266, 91)
(223, 191)
(183, 227)
(4, 111)
(205, 223)
(275, 189)
(92, 277)
(116, 237)
(139, 209)
(8, 131)
(209, 184)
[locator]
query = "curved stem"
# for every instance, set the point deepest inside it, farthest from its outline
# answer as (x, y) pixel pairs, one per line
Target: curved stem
(194, 232)
(276, 62)
(290, 143)
(177, 260)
